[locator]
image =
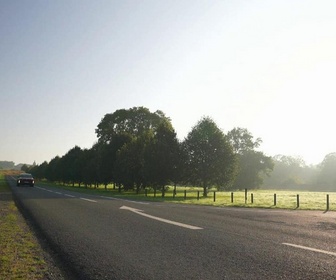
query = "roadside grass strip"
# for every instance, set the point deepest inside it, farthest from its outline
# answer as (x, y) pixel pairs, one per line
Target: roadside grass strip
(20, 254)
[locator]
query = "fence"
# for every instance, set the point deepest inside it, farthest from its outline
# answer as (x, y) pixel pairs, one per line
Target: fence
(258, 198)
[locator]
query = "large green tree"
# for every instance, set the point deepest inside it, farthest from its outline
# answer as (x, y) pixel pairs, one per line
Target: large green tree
(71, 166)
(210, 157)
(39, 170)
(129, 163)
(252, 164)
(120, 132)
(53, 170)
(242, 140)
(134, 121)
(91, 166)
(161, 157)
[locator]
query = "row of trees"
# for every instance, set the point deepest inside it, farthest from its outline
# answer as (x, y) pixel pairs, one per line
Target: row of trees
(293, 173)
(137, 148)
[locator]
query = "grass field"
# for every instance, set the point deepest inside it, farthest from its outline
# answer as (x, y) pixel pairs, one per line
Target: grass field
(255, 198)
(20, 254)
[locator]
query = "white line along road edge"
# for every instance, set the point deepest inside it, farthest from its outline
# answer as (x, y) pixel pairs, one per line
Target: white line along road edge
(310, 249)
(140, 212)
(86, 199)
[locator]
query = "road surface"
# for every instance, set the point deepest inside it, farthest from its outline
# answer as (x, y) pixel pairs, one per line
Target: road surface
(105, 238)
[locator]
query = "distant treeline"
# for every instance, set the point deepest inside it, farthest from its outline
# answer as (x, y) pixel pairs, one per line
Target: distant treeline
(293, 173)
(8, 165)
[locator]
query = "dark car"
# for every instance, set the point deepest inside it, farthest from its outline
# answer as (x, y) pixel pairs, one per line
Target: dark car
(25, 179)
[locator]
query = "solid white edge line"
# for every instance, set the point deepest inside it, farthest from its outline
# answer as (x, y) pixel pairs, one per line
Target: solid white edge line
(86, 199)
(120, 199)
(310, 249)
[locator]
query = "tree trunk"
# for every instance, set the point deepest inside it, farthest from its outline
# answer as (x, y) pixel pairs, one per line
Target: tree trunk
(163, 191)
(205, 192)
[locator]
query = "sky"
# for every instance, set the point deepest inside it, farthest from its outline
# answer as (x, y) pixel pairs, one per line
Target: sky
(267, 66)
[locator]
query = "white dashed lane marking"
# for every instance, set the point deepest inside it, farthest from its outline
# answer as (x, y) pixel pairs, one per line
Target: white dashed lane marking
(68, 195)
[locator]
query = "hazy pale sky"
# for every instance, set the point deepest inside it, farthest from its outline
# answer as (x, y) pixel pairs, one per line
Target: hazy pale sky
(268, 66)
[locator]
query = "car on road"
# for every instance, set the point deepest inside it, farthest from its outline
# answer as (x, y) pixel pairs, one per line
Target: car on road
(25, 179)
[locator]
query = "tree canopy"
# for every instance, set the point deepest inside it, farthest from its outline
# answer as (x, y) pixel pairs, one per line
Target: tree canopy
(252, 164)
(327, 177)
(134, 121)
(210, 157)
(161, 157)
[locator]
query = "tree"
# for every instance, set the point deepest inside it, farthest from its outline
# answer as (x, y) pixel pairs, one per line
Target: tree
(252, 164)
(134, 121)
(39, 171)
(288, 172)
(242, 140)
(71, 166)
(52, 171)
(89, 171)
(210, 157)
(130, 162)
(161, 157)
(24, 168)
(117, 130)
(327, 177)
(106, 156)
(7, 164)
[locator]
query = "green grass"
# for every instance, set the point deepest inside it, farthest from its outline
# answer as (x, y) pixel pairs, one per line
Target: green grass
(261, 198)
(20, 254)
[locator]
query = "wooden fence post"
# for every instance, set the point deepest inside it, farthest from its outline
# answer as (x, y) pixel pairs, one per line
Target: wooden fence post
(327, 202)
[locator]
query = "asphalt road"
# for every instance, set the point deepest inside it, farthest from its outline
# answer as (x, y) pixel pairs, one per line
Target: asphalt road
(104, 238)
